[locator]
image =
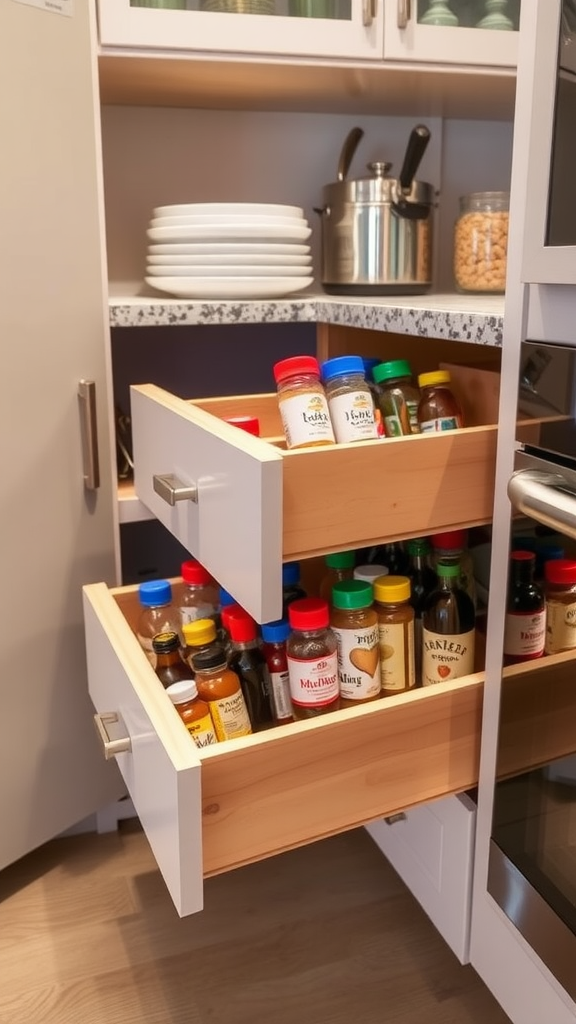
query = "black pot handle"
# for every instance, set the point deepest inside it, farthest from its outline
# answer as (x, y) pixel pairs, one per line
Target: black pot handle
(417, 143)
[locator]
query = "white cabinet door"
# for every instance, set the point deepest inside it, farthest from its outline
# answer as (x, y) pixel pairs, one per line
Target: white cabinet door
(418, 31)
(55, 535)
(355, 34)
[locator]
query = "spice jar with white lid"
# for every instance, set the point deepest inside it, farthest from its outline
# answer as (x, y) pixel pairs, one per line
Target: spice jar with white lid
(481, 241)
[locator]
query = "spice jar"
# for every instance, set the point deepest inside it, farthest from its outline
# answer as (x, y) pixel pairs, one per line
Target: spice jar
(438, 409)
(302, 402)
(312, 659)
(397, 397)
(480, 242)
(349, 399)
(194, 712)
(560, 576)
(396, 634)
(355, 623)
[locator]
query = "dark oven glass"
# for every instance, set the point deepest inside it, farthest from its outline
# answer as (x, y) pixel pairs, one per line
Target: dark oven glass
(561, 226)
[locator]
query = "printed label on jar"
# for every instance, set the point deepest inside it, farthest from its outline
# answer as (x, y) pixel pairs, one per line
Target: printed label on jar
(358, 662)
(306, 419)
(396, 672)
(314, 684)
(413, 416)
(202, 731)
(230, 717)
(191, 612)
(560, 627)
(279, 690)
(446, 657)
(438, 425)
(352, 416)
(524, 634)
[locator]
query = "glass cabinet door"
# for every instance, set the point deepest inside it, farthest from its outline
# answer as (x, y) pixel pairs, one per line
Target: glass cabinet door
(474, 32)
(345, 29)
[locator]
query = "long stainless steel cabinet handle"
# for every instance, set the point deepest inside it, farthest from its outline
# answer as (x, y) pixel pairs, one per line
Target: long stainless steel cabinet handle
(544, 497)
(404, 13)
(369, 10)
(89, 432)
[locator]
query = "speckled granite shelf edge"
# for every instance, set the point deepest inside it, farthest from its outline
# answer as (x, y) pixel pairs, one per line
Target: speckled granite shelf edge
(431, 317)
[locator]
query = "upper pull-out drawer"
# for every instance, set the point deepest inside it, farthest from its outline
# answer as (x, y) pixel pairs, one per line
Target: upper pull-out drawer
(258, 504)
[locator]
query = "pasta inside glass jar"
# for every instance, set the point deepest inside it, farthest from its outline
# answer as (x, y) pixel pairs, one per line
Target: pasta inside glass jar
(481, 242)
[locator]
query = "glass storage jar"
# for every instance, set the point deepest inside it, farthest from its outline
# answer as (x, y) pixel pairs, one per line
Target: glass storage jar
(481, 241)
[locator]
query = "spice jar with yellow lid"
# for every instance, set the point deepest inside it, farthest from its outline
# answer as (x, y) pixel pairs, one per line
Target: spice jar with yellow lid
(396, 634)
(438, 409)
(481, 241)
(302, 402)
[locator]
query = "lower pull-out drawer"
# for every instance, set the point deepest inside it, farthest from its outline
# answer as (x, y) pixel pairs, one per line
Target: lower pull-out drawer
(256, 505)
(205, 812)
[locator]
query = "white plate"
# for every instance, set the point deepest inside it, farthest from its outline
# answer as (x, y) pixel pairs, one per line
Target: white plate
(223, 271)
(226, 248)
(229, 287)
(265, 209)
(227, 231)
(215, 220)
(238, 260)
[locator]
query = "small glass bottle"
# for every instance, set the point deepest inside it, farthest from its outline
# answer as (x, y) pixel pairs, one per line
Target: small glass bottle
(448, 630)
(195, 713)
(292, 590)
(198, 636)
(397, 398)
(560, 575)
(340, 566)
(349, 399)
(354, 621)
(247, 660)
(158, 614)
(438, 409)
(274, 636)
(481, 242)
(302, 403)
(220, 687)
(525, 620)
(451, 548)
(199, 597)
(311, 653)
(396, 634)
(422, 582)
(170, 668)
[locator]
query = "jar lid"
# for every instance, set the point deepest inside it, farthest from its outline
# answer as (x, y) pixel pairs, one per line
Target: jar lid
(294, 366)
(228, 611)
(155, 592)
(193, 572)
(182, 691)
(225, 598)
(487, 200)
(453, 540)
(351, 595)
(308, 613)
(427, 380)
(370, 572)
(340, 365)
(522, 556)
(395, 368)
(290, 573)
(420, 546)
(250, 424)
(390, 589)
(560, 570)
(447, 571)
(165, 643)
(199, 632)
(340, 560)
(241, 626)
(275, 632)
(205, 660)
(369, 362)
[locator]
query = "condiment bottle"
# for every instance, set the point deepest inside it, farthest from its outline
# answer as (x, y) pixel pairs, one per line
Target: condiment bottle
(370, 572)
(395, 634)
(349, 399)
(292, 590)
(220, 687)
(438, 409)
(311, 653)
(422, 582)
(249, 424)
(170, 668)
(525, 620)
(199, 597)
(275, 635)
(398, 399)
(560, 576)
(198, 636)
(246, 659)
(195, 713)
(451, 548)
(448, 630)
(158, 614)
(340, 566)
(302, 403)
(354, 621)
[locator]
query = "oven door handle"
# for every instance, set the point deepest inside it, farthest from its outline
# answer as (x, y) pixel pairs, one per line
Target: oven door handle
(546, 497)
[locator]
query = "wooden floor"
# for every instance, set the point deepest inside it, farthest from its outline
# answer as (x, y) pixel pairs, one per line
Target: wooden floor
(322, 935)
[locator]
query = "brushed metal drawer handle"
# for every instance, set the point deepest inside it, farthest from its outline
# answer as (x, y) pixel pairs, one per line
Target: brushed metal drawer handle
(112, 745)
(171, 489)
(392, 819)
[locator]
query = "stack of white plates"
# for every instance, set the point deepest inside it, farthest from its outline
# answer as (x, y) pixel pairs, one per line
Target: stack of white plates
(229, 251)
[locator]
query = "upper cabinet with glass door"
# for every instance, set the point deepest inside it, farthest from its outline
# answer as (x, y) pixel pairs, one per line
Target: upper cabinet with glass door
(463, 32)
(336, 29)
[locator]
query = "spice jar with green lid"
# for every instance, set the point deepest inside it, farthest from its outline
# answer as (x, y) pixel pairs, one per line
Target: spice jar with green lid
(354, 621)
(397, 397)
(395, 634)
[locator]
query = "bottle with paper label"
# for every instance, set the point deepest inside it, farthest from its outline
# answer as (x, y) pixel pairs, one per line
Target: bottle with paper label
(525, 622)
(395, 634)
(448, 630)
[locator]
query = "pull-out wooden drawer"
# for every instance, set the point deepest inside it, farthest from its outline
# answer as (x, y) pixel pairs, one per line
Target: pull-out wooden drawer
(205, 812)
(258, 504)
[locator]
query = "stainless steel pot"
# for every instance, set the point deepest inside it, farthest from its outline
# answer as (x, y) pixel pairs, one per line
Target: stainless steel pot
(377, 231)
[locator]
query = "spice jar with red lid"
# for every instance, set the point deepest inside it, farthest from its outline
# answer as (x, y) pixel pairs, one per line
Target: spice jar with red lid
(311, 653)
(560, 576)
(302, 403)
